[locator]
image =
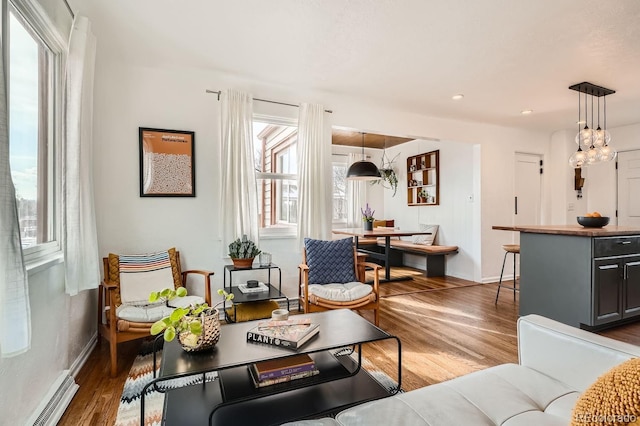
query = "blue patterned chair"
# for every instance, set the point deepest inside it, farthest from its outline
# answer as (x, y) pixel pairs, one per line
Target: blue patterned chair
(332, 278)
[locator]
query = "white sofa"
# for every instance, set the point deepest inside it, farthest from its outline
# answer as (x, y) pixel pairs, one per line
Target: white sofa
(556, 363)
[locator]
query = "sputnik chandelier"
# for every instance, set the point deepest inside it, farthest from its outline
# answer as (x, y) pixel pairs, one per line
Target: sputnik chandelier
(593, 143)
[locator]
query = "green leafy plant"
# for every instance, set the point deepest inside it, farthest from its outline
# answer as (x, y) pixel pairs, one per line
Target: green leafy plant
(243, 249)
(389, 178)
(182, 319)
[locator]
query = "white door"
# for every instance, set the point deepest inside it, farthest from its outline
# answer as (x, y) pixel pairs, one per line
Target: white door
(528, 189)
(629, 188)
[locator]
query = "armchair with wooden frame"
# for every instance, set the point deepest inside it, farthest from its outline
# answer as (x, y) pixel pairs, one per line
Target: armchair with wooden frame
(124, 313)
(332, 276)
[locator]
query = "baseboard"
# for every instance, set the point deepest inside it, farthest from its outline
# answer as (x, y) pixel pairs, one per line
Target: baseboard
(84, 355)
(61, 392)
(55, 401)
(489, 280)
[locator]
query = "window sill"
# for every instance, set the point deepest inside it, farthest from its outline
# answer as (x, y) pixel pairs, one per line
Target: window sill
(277, 236)
(43, 264)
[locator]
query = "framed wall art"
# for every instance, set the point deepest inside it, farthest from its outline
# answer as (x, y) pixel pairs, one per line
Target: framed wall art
(167, 163)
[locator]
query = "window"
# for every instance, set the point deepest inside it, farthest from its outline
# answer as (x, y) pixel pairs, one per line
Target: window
(34, 82)
(275, 150)
(339, 167)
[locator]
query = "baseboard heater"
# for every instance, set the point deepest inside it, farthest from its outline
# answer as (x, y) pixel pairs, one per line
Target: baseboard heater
(55, 402)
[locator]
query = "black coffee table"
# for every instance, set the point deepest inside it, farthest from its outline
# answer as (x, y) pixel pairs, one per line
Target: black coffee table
(233, 399)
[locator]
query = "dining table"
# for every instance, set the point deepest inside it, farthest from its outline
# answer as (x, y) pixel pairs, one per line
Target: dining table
(385, 232)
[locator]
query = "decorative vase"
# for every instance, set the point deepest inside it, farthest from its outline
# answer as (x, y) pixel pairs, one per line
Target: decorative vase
(242, 263)
(368, 226)
(210, 333)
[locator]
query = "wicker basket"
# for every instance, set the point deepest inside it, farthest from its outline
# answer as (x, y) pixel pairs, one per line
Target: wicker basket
(210, 333)
(245, 263)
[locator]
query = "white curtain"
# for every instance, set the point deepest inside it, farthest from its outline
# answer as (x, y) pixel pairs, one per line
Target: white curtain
(239, 203)
(79, 236)
(355, 196)
(314, 174)
(15, 314)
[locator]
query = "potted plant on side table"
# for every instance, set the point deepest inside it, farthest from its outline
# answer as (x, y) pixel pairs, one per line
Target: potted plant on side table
(197, 325)
(242, 252)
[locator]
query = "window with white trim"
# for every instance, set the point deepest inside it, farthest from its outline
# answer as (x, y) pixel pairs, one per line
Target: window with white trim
(34, 77)
(339, 168)
(275, 150)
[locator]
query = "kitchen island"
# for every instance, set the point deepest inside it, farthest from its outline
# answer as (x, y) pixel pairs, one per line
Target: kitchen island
(584, 277)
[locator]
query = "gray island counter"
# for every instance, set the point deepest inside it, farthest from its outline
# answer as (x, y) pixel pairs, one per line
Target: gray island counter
(584, 277)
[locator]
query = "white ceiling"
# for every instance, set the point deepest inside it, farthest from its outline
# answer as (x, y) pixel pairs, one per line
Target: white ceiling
(503, 55)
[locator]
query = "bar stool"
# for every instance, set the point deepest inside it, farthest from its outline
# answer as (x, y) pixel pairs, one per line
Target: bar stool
(515, 250)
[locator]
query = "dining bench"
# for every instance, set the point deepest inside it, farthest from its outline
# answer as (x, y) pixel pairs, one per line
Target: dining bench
(434, 254)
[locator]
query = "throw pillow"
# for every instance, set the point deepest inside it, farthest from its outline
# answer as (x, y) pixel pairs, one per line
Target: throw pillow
(613, 399)
(391, 223)
(140, 274)
(427, 240)
(330, 261)
(377, 223)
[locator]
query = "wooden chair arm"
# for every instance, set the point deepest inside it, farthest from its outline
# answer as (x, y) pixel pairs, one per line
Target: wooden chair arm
(108, 285)
(303, 266)
(376, 277)
(207, 281)
(372, 265)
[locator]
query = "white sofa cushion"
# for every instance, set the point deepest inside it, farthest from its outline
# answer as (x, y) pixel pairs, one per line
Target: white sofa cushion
(346, 292)
(506, 394)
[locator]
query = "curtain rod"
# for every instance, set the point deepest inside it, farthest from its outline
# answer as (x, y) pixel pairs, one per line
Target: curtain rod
(219, 92)
(66, 3)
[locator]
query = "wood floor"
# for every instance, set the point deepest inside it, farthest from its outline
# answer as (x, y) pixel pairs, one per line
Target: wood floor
(448, 327)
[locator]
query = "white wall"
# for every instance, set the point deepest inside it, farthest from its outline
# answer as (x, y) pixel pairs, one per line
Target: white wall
(600, 186)
(62, 326)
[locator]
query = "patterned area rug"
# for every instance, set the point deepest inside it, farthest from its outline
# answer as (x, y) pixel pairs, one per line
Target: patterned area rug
(141, 373)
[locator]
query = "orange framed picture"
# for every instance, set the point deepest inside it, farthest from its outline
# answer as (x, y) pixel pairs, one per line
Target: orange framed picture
(167, 166)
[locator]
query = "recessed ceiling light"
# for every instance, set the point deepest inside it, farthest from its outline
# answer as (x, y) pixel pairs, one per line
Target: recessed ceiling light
(526, 111)
(457, 97)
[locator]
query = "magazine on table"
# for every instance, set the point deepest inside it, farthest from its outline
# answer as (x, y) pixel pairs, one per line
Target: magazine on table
(290, 333)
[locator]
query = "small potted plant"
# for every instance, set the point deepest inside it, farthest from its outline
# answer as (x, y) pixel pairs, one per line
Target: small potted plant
(242, 252)
(367, 217)
(422, 196)
(197, 325)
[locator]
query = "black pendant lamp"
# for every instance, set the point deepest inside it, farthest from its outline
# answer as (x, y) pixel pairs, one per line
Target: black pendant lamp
(363, 170)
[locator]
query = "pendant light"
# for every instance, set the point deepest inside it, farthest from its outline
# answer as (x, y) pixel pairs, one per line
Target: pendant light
(363, 170)
(593, 144)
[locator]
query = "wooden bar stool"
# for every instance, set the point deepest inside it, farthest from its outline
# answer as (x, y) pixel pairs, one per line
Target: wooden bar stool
(515, 250)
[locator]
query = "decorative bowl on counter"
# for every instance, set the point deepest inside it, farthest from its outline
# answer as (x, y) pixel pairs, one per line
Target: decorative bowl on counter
(593, 222)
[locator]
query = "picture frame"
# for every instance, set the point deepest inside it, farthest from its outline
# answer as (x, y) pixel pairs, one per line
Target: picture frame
(167, 162)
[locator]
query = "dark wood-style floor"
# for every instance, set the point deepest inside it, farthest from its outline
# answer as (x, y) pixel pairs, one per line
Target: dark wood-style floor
(448, 327)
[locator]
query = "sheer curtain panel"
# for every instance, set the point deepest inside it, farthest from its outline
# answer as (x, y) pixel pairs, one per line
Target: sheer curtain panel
(355, 197)
(79, 236)
(15, 312)
(239, 206)
(314, 174)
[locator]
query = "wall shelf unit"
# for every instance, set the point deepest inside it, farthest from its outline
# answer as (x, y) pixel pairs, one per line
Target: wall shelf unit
(423, 179)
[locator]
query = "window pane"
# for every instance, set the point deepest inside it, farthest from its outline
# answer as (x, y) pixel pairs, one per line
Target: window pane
(275, 153)
(28, 130)
(339, 192)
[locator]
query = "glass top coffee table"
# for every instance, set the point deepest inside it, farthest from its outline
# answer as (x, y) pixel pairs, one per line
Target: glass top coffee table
(232, 397)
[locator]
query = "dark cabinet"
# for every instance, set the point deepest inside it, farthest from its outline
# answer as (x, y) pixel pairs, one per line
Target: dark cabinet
(607, 291)
(616, 279)
(631, 295)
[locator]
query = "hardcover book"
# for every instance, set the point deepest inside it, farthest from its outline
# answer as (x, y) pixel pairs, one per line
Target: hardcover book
(244, 288)
(275, 368)
(283, 379)
(289, 334)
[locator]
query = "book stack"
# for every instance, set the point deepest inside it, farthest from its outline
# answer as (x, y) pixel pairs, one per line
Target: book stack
(267, 373)
(291, 333)
(244, 288)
